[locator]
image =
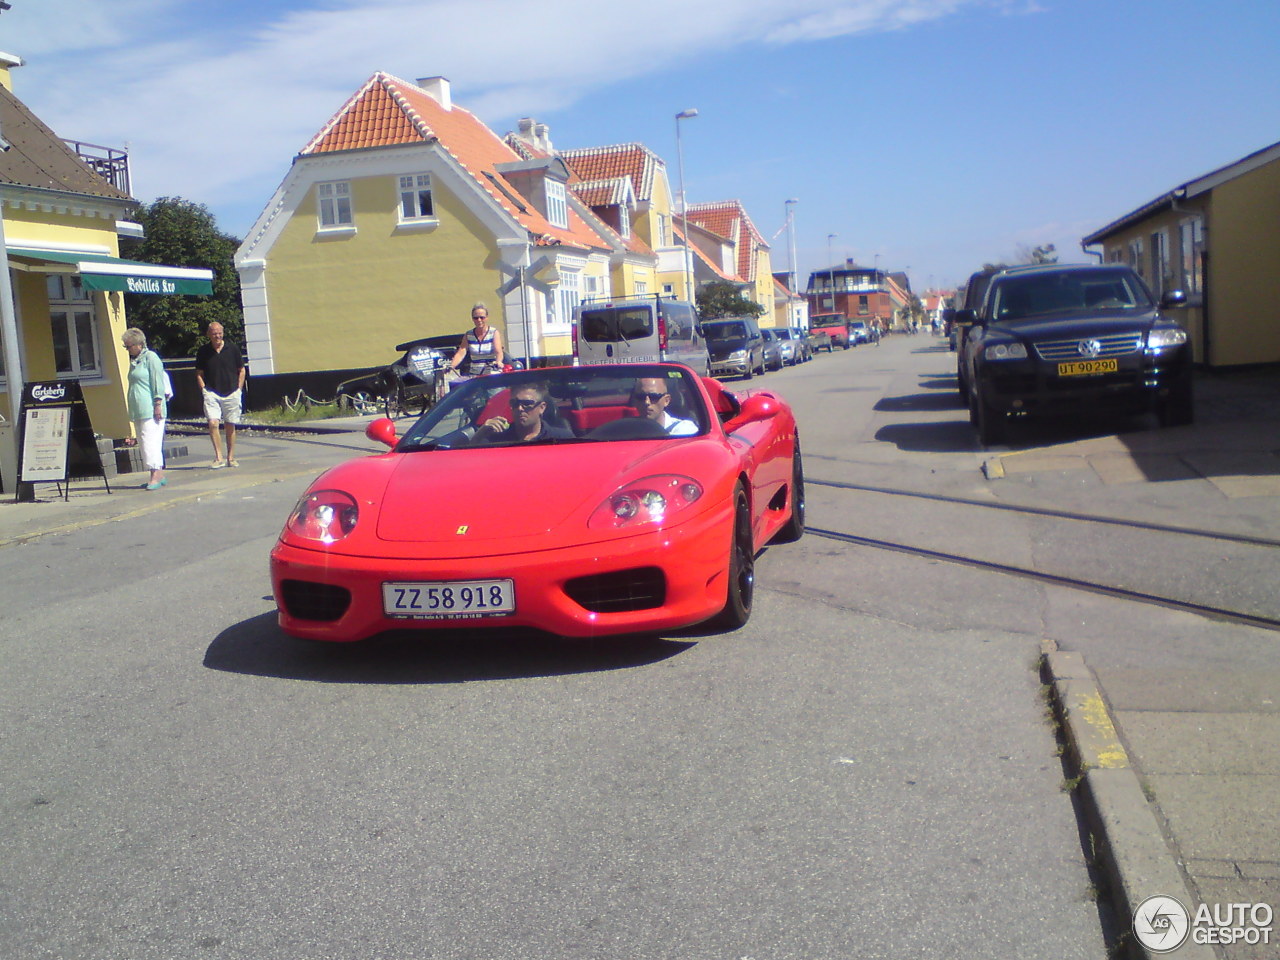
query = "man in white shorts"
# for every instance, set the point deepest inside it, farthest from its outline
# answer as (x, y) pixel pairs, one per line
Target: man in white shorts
(220, 376)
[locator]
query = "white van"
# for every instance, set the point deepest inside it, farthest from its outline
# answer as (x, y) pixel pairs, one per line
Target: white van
(638, 330)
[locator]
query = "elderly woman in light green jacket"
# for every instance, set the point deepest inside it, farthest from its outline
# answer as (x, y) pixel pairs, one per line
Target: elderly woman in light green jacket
(148, 406)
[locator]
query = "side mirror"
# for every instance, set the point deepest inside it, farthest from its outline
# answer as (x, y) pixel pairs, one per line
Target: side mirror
(1173, 298)
(948, 315)
(383, 430)
(965, 317)
(757, 407)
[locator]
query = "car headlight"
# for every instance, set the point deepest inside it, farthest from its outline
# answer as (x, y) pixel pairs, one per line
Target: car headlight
(1005, 351)
(738, 355)
(1161, 338)
(324, 515)
(654, 500)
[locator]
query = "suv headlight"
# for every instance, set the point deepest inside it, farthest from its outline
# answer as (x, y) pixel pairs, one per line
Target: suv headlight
(1161, 338)
(1005, 351)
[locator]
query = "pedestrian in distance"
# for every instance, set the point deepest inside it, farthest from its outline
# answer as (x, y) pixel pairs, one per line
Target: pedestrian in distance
(147, 403)
(220, 375)
(481, 346)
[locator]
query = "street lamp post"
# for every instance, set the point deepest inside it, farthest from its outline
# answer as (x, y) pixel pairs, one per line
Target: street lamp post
(791, 252)
(687, 263)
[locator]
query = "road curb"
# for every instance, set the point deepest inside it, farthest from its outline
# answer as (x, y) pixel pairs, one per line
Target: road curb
(1128, 843)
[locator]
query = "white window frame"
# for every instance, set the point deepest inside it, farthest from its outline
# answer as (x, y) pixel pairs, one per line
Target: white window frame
(334, 209)
(568, 296)
(72, 312)
(417, 205)
(557, 204)
(1190, 251)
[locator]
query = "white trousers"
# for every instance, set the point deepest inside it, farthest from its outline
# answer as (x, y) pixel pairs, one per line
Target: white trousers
(151, 436)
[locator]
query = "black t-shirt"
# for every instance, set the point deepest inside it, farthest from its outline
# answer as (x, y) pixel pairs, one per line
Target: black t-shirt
(220, 368)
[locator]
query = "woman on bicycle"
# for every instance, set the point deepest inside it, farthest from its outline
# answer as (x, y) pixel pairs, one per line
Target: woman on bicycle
(482, 347)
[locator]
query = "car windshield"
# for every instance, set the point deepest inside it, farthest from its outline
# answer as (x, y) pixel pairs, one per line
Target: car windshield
(725, 331)
(611, 324)
(1040, 294)
(784, 334)
(564, 405)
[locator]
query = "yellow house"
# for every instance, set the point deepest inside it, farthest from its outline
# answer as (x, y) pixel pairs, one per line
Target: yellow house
(1216, 238)
(403, 211)
(752, 260)
(61, 299)
(627, 186)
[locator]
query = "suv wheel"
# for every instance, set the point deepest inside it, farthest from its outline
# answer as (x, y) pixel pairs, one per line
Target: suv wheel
(1177, 409)
(990, 424)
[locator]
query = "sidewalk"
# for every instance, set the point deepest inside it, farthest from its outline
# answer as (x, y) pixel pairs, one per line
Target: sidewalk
(1180, 760)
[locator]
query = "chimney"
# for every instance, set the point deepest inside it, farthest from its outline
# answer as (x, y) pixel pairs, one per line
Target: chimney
(438, 89)
(542, 139)
(7, 62)
(526, 128)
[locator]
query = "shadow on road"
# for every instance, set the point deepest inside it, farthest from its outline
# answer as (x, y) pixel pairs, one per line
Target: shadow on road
(918, 401)
(955, 436)
(258, 647)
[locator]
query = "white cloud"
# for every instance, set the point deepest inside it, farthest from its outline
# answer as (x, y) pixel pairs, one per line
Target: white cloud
(214, 99)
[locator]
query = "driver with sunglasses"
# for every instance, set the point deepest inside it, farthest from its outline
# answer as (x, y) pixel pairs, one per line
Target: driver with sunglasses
(651, 398)
(528, 405)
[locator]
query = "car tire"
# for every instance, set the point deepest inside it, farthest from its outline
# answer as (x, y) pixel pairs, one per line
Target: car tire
(751, 372)
(1177, 409)
(793, 529)
(742, 566)
(990, 424)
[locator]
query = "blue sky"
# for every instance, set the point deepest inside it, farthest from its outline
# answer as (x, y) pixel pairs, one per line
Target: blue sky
(927, 135)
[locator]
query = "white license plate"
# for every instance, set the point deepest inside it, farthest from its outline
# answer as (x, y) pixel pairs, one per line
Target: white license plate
(449, 599)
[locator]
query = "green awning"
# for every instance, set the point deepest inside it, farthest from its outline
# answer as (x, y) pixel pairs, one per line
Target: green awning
(101, 272)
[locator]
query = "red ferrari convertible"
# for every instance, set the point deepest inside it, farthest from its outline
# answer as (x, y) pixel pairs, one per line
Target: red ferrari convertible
(581, 501)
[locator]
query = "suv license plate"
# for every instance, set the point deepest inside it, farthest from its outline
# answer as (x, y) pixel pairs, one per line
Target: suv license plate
(449, 599)
(1083, 368)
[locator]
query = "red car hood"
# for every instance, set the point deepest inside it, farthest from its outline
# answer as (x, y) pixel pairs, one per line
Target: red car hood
(503, 493)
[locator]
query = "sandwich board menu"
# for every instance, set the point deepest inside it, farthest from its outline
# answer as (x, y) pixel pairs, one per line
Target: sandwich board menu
(55, 441)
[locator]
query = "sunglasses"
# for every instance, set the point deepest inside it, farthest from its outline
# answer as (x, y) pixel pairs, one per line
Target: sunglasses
(479, 318)
(524, 404)
(651, 397)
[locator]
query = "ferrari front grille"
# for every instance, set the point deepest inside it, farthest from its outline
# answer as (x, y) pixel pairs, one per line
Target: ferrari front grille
(641, 588)
(314, 601)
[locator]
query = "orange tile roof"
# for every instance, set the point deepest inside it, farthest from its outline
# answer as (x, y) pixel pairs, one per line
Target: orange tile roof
(729, 219)
(633, 160)
(388, 111)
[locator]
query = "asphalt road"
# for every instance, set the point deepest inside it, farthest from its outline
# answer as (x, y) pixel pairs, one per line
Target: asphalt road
(865, 770)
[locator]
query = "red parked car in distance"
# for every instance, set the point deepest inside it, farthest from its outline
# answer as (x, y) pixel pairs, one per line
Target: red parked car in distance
(835, 326)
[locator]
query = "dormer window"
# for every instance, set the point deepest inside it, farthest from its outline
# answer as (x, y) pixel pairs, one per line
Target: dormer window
(415, 198)
(557, 204)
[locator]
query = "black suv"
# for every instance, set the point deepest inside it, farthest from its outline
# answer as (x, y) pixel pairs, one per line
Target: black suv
(1064, 338)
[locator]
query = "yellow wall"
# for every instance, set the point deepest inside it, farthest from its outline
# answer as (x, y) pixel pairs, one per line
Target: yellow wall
(105, 401)
(378, 287)
(1243, 240)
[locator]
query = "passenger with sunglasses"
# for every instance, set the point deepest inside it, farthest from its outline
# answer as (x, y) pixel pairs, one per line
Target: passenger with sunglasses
(651, 397)
(529, 403)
